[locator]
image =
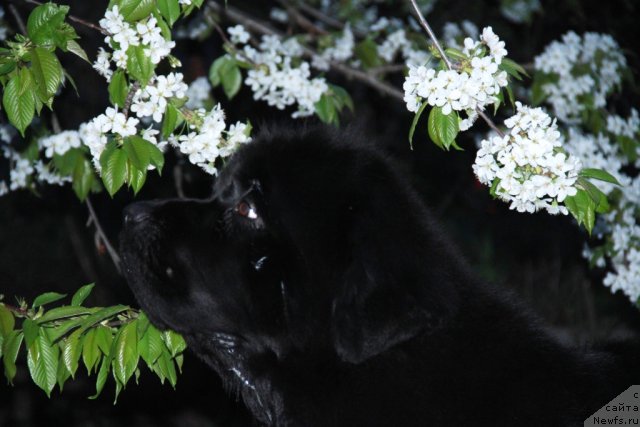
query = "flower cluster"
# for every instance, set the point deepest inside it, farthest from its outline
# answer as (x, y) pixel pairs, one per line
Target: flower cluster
(146, 33)
(453, 34)
(341, 50)
(619, 229)
(198, 93)
(279, 77)
(579, 73)
(527, 167)
(471, 85)
(208, 139)
(59, 143)
(151, 101)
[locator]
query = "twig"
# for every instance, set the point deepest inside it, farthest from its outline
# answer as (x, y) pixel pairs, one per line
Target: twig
(315, 13)
(388, 68)
(444, 57)
(301, 20)
(127, 102)
(75, 19)
(100, 232)
(17, 310)
(18, 19)
(254, 25)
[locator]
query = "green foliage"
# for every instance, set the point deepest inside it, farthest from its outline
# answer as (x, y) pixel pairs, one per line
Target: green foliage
(443, 128)
(226, 71)
(109, 340)
(331, 104)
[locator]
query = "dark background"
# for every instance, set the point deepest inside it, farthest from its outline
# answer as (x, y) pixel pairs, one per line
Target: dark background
(45, 244)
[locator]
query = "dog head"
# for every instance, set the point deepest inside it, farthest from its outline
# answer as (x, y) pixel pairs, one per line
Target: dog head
(311, 243)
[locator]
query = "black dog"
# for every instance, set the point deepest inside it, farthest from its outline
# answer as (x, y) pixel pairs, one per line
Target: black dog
(316, 285)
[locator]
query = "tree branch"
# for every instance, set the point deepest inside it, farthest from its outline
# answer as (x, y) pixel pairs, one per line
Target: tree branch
(127, 102)
(18, 18)
(103, 237)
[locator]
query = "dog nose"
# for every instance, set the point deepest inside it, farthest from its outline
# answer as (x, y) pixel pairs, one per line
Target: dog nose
(137, 212)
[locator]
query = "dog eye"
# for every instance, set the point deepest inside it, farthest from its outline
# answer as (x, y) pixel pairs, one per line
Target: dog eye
(246, 210)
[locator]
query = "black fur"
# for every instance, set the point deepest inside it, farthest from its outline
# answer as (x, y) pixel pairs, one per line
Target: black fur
(342, 305)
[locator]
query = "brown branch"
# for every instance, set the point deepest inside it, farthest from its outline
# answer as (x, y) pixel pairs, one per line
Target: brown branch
(301, 20)
(18, 19)
(101, 234)
(75, 19)
(315, 13)
(127, 102)
(254, 25)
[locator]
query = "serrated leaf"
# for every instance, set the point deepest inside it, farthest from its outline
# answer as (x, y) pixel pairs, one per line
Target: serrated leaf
(118, 88)
(135, 177)
(31, 331)
(414, 123)
(47, 72)
(44, 20)
(75, 48)
(126, 353)
(83, 178)
(582, 207)
(62, 375)
(174, 341)
(134, 10)
(60, 331)
(10, 348)
(47, 298)
(138, 151)
(151, 345)
(170, 10)
(164, 366)
(142, 324)
(325, 109)
(42, 360)
(105, 366)
(7, 321)
(599, 174)
(18, 100)
(62, 312)
(114, 168)
(169, 121)
(90, 351)
(432, 126)
(102, 315)
(139, 64)
(104, 339)
(231, 78)
(71, 352)
(82, 294)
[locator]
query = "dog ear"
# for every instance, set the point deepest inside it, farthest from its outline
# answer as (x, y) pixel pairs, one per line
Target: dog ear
(399, 281)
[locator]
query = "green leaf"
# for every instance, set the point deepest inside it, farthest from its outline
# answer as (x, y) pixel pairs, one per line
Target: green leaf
(599, 174)
(61, 330)
(138, 151)
(325, 109)
(134, 10)
(7, 321)
(165, 368)
(31, 331)
(83, 178)
(174, 341)
(443, 128)
(126, 355)
(42, 360)
(367, 52)
(76, 49)
(10, 348)
(118, 88)
(63, 312)
(151, 345)
(139, 64)
(47, 72)
(342, 96)
(47, 298)
(62, 375)
(170, 120)
(214, 70)
(114, 168)
(135, 177)
(104, 339)
(416, 118)
(583, 208)
(231, 78)
(599, 198)
(102, 315)
(103, 373)
(18, 100)
(44, 21)
(90, 350)
(71, 352)
(82, 294)
(170, 10)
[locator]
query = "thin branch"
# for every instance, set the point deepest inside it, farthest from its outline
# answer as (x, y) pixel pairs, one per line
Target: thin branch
(444, 57)
(301, 20)
(256, 26)
(18, 19)
(103, 237)
(75, 19)
(332, 22)
(127, 103)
